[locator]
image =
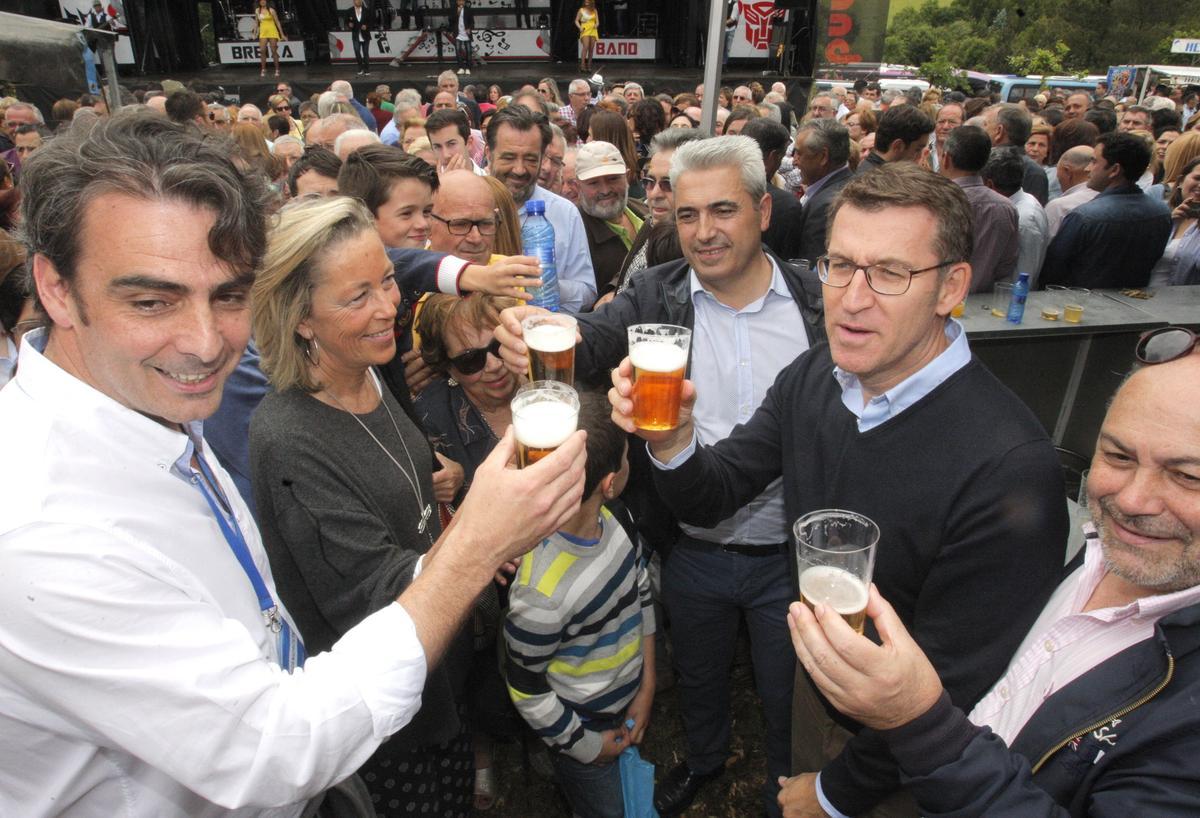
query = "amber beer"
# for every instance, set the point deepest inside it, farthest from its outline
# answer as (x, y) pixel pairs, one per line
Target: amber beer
(659, 354)
(838, 589)
(551, 343)
(544, 415)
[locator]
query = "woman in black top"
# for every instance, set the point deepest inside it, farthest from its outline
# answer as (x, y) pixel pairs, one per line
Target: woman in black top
(343, 479)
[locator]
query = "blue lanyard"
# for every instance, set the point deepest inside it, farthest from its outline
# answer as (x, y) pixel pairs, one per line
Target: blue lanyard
(291, 649)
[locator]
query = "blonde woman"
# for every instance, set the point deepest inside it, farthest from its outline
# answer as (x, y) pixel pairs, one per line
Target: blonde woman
(587, 20)
(269, 31)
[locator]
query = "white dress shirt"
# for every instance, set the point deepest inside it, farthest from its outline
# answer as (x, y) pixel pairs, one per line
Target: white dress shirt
(576, 276)
(1033, 234)
(137, 677)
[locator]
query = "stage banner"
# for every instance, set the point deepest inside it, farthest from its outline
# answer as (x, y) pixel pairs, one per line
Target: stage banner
(851, 30)
(77, 11)
(233, 52)
(753, 36)
(624, 49)
(489, 43)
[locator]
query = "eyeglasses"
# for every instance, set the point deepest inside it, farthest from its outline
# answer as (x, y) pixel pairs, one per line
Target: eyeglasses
(1158, 346)
(663, 184)
(462, 227)
(284, 108)
(838, 272)
(473, 360)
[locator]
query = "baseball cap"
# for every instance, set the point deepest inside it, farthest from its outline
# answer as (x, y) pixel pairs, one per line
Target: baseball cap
(598, 159)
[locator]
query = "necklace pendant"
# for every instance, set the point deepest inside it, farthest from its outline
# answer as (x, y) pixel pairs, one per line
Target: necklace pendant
(425, 514)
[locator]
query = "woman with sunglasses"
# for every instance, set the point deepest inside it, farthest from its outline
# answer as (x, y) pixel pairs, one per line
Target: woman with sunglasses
(280, 105)
(268, 31)
(344, 481)
(465, 412)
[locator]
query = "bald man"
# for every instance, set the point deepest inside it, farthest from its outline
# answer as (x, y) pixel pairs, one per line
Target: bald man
(464, 202)
(1072, 173)
(1096, 714)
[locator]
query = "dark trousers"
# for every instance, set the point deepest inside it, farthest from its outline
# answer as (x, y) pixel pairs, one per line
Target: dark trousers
(362, 51)
(707, 592)
(462, 53)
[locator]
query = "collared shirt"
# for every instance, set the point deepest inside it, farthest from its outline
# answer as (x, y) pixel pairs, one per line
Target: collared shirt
(568, 114)
(882, 408)
(1067, 642)
(1058, 209)
(812, 189)
(8, 359)
(133, 654)
(576, 276)
(994, 222)
(1032, 234)
(390, 135)
(622, 233)
(736, 355)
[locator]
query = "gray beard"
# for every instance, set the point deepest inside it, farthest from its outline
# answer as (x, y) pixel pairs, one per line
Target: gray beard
(606, 212)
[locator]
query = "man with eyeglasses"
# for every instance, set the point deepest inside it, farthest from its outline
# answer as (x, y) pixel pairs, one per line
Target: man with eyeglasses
(1096, 714)
(896, 420)
(751, 314)
(822, 107)
(579, 95)
(610, 218)
(464, 217)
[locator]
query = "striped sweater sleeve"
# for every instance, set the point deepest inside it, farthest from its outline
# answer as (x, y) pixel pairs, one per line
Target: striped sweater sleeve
(532, 635)
(574, 636)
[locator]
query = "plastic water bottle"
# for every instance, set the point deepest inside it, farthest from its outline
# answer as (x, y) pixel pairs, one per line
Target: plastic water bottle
(537, 240)
(1016, 307)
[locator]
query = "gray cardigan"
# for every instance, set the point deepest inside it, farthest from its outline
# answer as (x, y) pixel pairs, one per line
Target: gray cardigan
(339, 524)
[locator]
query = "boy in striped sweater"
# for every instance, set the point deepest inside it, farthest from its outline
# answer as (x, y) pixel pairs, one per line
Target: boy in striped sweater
(580, 632)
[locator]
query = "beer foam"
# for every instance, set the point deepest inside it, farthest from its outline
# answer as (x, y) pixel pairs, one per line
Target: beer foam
(550, 337)
(658, 356)
(838, 589)
(544, 424)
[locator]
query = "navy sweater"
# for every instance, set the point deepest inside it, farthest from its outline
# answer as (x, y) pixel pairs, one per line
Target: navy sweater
(968, 494)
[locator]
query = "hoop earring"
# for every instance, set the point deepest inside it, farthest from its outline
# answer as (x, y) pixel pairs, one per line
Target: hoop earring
(312, 350)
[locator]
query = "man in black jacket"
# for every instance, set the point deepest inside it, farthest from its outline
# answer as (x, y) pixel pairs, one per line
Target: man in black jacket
(358, 23)
(782, 234)
(896, 420)
(822, 155)
(1118, 645)
(750, 314)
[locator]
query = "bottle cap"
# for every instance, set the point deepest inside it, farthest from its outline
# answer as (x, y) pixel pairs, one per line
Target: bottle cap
(535, 207)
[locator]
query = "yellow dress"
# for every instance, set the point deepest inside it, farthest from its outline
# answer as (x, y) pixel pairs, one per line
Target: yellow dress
(587, 20)
(266, 25)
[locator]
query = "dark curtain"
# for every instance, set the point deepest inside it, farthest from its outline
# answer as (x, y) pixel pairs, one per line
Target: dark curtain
(166, 35)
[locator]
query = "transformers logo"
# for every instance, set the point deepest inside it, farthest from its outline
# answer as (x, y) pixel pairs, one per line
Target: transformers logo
(758, 22)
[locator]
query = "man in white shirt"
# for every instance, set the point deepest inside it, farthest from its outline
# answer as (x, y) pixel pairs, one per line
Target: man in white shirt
(1073, 169)
(1096, 713)
(1003, 173)
(145, 663)
(516, 143)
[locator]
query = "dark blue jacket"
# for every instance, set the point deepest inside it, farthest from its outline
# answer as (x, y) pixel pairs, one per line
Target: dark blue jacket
(1122, 740)
(1111, 242)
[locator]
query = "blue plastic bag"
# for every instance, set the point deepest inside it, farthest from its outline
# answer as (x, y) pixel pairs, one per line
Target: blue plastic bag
(637, 785)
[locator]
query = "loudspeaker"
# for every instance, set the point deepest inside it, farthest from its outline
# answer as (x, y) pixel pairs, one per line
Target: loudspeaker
(792, 4)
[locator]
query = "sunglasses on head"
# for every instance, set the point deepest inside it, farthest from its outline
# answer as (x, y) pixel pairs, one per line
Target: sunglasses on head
(473, 360)
(1165, 344)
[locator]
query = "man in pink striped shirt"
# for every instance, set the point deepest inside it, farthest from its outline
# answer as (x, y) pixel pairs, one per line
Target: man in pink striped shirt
(1098, 712)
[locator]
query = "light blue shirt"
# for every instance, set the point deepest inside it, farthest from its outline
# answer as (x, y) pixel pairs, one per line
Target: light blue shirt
(891, 403)
(736, 355)
(390, 135)
(576, 276)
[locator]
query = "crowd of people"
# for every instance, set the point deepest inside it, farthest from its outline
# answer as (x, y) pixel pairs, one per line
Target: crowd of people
(264, 549)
